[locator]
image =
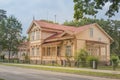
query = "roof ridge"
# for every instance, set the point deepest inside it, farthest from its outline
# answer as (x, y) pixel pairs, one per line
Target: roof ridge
(56, 24)
(46, 24)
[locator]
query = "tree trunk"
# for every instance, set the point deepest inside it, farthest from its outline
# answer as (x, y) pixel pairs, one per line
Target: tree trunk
(8, 55)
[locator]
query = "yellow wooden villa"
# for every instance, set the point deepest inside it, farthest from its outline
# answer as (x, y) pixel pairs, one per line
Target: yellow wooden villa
(51, 42)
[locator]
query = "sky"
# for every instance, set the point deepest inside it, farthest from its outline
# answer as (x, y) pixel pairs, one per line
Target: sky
(25, 10)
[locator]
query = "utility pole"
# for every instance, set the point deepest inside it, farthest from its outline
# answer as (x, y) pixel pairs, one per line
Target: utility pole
(33, 18)
(47, 15)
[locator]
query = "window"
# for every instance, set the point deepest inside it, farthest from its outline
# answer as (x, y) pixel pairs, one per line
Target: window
(33, 36)
(91, 32)
(68, 50)
(44, 53)
(58, 51)
(37, 53)
(33, 52)
(37, 35)
(48, 51)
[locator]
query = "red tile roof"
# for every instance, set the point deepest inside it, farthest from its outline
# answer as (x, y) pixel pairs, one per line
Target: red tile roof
(45, 24)
(82, 28)
(73, 29)
(54, 36)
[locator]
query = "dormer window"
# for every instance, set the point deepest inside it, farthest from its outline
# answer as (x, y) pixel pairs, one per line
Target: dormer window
(91, 32)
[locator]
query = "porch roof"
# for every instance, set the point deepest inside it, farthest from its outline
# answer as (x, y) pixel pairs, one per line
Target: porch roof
(51, 43)
(97, 42)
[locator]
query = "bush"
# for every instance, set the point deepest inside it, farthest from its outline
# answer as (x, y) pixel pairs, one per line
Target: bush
(90, 59)
(2, 57)
(81, 56)
(114, 60)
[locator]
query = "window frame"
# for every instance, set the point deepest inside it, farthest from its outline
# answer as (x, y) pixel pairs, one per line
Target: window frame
(91, 32)
(33, 51)
(68, 51)
(58, 51)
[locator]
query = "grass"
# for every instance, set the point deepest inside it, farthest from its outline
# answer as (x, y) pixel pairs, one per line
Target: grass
(1, 79)
(108, 68)
(79, 72)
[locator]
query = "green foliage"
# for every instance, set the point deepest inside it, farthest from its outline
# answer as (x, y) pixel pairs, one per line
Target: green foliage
(71, 23)
(90, 59)
(2, 57)
(91, 7)
(114, 60)
(68, 59)
(81, 57)
(27, 57)
(49, 21)
(10, 32)
(1, 79)
(2, 14)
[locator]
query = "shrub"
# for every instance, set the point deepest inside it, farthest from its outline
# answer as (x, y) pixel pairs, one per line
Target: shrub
(114, 60)
(2, 57)
(68, 59)
(81, 56)
(90, 59)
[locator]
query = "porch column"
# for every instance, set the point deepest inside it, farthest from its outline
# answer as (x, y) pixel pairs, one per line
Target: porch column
(45, 53)
(99, 50)
(51, 52)
(41, 53)
(106, 52)
(56, 52)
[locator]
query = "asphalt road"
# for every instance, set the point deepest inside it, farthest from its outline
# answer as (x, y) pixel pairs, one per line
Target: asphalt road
(16, 73)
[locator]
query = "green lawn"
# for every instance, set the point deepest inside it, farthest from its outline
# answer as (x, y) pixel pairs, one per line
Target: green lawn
(98, 74)
(108, 68)
(1, 79)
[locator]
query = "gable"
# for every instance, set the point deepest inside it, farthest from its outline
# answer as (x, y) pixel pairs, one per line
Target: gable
(98, 34)
(33, 27)
(66, 33)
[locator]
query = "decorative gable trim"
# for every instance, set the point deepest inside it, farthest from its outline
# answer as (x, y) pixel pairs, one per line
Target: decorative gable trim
(31, 26)
(66, 32)
(104, 32)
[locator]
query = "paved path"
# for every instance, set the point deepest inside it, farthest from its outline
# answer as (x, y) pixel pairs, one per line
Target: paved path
(17, 73)
(82, 69)
(86, 69)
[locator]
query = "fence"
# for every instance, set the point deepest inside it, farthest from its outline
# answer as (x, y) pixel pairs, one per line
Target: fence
(93, 64)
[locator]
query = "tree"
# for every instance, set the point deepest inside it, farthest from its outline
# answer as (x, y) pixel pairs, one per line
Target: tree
(2, 17)
(2, 14)
(12, 31)
(91, 7)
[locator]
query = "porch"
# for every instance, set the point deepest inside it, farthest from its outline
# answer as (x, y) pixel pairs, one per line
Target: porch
(98, 49)
(51, 51)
